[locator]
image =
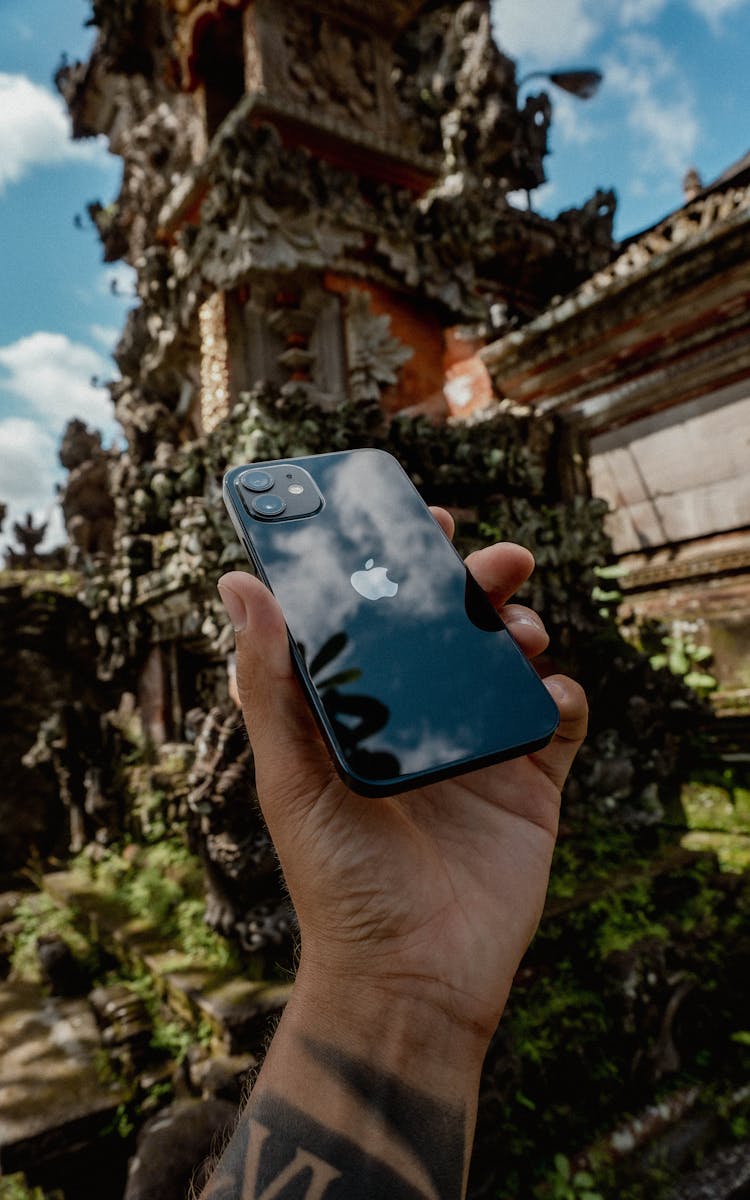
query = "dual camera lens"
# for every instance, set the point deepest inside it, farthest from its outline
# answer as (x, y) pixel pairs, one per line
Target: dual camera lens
(261, 482)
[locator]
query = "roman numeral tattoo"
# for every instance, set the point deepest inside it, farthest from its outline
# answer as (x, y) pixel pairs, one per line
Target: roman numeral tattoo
(279, 1152)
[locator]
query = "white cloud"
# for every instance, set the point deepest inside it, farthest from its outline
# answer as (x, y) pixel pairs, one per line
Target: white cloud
(570, 122)
(119, 279)
(106, 336)
(54, 376)
(518, 199)
(29, 470)
(640, 12)
(661, 108)
(714, 10)
(28, 457)
(550, 34)
(35, 131)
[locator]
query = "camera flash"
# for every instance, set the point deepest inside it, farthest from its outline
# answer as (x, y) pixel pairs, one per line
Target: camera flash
(296, 489)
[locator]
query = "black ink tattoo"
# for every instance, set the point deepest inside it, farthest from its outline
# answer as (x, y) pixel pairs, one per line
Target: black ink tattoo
(434, 1131)
(279, 1152)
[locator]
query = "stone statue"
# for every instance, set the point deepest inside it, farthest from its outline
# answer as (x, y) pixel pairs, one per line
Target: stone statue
(86, 499)
(29, 536)
(241, 869)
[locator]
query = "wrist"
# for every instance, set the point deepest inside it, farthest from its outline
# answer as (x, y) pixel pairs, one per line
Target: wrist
(413, 1032)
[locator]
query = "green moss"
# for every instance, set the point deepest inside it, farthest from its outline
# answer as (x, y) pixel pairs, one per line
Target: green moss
(724, 807)
(566, 1183)
(732, 850)
(627, 917)
(39, 916)
(161, 886)
(15, 1187)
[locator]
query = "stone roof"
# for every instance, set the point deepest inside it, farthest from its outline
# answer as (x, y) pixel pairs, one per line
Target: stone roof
(655, 271)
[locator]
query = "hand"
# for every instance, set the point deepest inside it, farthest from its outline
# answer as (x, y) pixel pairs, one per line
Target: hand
(430, 897)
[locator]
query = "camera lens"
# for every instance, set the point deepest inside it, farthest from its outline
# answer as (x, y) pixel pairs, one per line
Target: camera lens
(257, 481)
(268, 506)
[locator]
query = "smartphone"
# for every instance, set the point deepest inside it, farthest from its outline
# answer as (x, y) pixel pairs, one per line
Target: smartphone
(409, 671)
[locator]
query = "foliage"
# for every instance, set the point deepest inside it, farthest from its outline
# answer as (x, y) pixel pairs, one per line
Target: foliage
(15, 1187)
(161, 884)
(675, 648)
(38, 916)
(567, 1184)
(628, 917)
(583, 1038)
(627, 926)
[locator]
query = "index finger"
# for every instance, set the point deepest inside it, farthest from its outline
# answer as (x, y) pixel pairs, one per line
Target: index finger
(444, 520)
(501, 569)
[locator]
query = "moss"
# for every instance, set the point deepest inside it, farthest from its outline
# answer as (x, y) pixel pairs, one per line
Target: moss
(38, 916)
(628, 917)
(161, 886)
(15, 1187)
(583, 1038)
(36, 582)
(723, 807)
(732, 850)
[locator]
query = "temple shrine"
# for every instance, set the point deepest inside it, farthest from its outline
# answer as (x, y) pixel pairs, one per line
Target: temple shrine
(649, 360)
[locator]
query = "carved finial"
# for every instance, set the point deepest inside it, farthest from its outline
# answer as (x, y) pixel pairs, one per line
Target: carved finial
(692, 184)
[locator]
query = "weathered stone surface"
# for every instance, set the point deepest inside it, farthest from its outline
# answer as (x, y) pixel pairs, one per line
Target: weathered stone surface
(52, 1098)
(239, 1010)
(726, 1176)
(236, 1009)
(46, 649)
(172, 1147)
(222, 1075)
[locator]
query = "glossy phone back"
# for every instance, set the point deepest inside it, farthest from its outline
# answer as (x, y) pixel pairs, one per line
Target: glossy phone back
(410, 672)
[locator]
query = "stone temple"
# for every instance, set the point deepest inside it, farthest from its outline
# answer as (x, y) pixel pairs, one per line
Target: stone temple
(329, 211)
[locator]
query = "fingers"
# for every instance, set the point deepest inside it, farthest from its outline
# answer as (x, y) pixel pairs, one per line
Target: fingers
(501, 569)
(282, 731)
(555, 760)
(444, 520)
(526, 627)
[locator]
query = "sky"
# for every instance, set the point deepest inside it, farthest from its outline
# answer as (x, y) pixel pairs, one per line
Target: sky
(676, 93)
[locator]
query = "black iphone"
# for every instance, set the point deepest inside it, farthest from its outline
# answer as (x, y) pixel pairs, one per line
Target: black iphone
(410, 673)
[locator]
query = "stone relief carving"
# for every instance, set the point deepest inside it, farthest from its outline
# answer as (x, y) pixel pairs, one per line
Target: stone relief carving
(240, 863)
(374, 355)
(462, 91)
(86, 498)
(330, 66)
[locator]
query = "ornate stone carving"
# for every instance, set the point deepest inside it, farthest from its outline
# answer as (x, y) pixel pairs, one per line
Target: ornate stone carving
(331, 67)
(239, 859)
(373, 353)
(86, 498)
(29, 536)
(214, 362)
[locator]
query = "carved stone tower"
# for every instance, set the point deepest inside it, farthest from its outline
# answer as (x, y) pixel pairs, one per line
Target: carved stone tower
(322, 193)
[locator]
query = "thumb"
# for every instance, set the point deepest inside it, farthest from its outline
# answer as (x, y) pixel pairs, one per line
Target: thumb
(285, 740)
(556, 759)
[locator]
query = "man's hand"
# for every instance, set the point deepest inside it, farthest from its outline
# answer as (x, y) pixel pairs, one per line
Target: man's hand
(414, 911)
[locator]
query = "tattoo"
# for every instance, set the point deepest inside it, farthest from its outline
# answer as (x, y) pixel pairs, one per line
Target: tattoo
(281, 1153)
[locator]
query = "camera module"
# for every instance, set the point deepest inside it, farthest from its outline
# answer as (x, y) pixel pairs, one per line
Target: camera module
(268, 506)
(257, 481)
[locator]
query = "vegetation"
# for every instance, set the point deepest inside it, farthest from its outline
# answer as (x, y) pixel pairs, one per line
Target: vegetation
(38, 916)
(15, 1187)
(634, 988)
(160, 885)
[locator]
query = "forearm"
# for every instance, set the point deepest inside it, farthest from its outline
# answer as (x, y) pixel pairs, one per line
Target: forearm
(367, 1098)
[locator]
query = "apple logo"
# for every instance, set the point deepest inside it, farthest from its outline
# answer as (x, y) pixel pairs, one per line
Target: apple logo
(373, 583)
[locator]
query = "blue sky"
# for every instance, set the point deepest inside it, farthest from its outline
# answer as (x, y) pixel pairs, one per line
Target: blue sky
(676, 94)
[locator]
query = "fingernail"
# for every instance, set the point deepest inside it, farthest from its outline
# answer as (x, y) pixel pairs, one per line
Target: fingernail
(235, 607)
(528, 621)
(555, 689)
